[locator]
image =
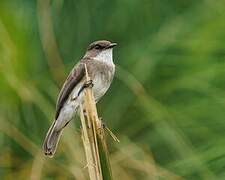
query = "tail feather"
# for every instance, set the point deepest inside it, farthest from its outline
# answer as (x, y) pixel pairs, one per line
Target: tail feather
(51, 140)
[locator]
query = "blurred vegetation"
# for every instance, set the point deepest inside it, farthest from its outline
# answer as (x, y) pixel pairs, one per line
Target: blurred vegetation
(166, 104)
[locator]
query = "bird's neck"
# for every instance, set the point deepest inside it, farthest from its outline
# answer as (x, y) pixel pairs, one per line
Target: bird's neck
(105, 56)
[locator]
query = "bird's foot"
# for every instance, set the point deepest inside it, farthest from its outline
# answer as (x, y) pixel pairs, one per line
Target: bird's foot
(88, 84)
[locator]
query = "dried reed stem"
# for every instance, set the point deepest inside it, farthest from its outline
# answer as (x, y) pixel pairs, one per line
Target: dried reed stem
(93, 137)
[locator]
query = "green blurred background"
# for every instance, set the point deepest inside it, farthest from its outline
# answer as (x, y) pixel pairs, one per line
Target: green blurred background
(166, 103)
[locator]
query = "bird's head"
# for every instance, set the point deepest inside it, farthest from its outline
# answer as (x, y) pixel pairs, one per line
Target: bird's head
(100, 50)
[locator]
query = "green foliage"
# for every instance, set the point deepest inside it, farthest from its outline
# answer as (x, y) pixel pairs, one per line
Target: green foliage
(166, 103)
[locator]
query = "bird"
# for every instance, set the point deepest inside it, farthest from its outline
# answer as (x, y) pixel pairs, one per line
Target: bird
(98, 60)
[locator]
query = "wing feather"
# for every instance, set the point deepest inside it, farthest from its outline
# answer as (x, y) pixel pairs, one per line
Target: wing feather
(75, 76)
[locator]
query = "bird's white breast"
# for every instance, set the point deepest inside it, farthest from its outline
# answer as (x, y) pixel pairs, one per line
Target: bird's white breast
(106, 56)
(101, 86)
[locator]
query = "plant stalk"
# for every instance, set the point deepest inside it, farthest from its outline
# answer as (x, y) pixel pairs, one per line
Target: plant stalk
(94, 139)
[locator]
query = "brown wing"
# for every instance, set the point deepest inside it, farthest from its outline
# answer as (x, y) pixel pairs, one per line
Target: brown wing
(72, 80)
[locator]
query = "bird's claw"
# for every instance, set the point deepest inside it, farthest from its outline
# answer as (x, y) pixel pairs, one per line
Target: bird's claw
(88, 84)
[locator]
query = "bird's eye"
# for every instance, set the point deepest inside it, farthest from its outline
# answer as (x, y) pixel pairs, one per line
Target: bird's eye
(98, 47)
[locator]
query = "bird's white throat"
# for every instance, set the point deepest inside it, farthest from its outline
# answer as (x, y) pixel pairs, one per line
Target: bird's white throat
(106, 56)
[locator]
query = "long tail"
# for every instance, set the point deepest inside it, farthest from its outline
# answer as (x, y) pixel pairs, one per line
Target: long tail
(51, 140)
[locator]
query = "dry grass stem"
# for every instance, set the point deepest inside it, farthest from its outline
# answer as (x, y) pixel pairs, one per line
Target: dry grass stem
(93, 137)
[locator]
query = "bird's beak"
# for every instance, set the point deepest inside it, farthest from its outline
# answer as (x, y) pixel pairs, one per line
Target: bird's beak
(111, 45)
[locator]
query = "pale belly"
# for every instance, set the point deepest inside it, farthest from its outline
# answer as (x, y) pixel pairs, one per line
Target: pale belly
(100, 87)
